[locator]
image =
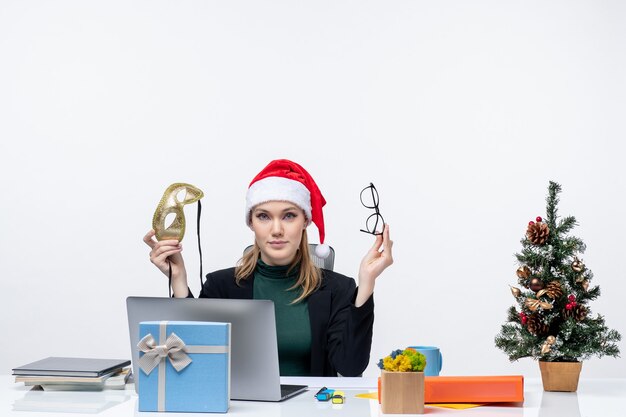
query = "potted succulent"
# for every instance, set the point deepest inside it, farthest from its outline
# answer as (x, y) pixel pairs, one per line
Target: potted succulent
(552, 321)
(402, 382)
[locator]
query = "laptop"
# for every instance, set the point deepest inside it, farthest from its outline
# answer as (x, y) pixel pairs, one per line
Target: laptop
(254, 348)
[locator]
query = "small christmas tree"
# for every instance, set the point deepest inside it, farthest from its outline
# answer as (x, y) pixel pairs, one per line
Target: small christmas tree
(553, 320)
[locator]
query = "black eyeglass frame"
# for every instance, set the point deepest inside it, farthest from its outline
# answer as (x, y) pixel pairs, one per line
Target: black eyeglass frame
(375, 200)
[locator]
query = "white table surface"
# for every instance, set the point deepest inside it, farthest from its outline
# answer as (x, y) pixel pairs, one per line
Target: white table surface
(595, 397)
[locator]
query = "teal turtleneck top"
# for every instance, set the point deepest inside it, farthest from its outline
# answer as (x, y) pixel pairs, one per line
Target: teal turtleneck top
(293, 327)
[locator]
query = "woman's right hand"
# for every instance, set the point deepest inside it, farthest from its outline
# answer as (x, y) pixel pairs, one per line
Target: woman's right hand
(168, 250)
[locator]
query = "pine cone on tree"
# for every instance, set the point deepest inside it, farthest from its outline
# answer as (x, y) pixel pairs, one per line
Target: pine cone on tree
(537, 233)
(554, 289)
(578, 313)
(581, 313)
(536, 326)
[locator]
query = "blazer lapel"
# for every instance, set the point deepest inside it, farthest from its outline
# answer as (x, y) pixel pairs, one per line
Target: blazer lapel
(319, 316)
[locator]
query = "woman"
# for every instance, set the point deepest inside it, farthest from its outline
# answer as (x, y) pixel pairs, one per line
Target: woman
(323, 321)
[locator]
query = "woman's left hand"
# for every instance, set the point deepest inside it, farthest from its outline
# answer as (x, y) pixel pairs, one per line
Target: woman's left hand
(373, 264)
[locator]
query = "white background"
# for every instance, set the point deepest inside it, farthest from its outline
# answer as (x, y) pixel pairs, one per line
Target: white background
(459, 112)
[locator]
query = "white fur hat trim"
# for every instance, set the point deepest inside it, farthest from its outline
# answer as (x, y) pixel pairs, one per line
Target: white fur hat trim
(278, 189)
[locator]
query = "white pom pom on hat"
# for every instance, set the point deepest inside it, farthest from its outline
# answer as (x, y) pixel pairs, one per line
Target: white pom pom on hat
(284, 180)
(322, 250)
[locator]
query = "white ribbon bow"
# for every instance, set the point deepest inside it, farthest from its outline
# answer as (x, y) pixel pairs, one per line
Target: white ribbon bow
(174, 349)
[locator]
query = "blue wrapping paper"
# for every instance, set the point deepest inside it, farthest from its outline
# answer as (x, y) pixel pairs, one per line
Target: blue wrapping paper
(204, 384)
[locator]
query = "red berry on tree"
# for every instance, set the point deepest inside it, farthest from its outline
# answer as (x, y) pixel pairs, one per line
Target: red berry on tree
(531, 222)
(569, 306)
(571, 298)
(538, 218)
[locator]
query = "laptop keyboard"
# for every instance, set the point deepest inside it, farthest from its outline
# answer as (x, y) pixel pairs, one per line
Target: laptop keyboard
(288, 390)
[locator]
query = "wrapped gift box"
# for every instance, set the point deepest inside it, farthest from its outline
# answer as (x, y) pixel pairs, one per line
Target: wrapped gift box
(184, 366)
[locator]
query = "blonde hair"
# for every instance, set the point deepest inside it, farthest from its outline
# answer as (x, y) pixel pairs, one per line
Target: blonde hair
(309, 278)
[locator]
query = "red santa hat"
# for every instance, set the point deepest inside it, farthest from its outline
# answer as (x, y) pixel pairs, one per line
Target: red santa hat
(284, 180)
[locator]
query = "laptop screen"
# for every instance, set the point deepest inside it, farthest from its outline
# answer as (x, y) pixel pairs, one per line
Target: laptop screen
(254, 350)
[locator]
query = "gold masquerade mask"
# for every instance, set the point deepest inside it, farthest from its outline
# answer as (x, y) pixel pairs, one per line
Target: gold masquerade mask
(173, 200)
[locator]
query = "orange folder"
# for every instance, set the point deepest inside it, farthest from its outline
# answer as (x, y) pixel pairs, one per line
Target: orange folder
(472, 389)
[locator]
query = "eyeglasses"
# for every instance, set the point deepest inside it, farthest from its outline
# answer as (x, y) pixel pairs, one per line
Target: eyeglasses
(370, 200)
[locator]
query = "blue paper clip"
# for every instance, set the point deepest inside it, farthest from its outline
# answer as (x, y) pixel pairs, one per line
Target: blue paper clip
(324, 394)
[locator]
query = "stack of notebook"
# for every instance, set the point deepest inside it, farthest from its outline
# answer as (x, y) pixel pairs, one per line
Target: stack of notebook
(76, 374)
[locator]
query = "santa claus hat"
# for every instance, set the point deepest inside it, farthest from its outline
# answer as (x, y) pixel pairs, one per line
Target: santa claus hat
(284, 180)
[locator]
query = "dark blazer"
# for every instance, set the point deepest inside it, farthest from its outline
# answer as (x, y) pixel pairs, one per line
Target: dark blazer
(341, 334)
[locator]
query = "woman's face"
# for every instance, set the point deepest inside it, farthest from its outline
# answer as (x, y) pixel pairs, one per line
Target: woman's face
(278, 227)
